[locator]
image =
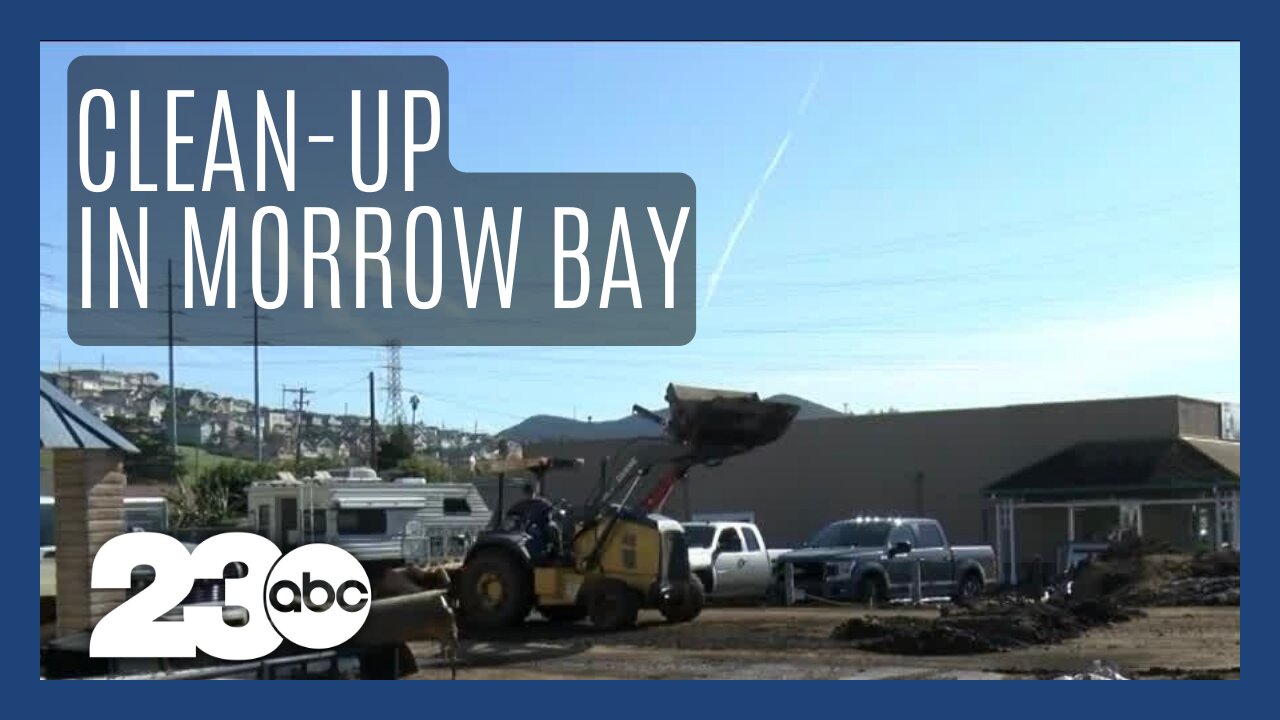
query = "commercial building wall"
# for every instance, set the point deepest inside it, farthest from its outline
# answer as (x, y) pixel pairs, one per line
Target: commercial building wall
(930, 463)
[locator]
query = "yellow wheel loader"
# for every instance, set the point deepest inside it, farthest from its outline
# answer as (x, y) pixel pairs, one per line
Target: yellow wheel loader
(615, 554)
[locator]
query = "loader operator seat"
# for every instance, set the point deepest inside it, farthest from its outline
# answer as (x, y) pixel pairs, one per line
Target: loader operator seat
(536, 517)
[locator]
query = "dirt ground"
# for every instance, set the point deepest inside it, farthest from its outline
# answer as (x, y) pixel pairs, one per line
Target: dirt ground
(796, 643)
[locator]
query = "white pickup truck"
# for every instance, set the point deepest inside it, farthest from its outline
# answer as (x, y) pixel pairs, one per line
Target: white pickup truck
(730, 558)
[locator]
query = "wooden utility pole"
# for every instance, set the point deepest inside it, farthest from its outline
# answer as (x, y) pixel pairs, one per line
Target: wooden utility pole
(257, 401)
(173, 388)
(373, 424)
(300, 402)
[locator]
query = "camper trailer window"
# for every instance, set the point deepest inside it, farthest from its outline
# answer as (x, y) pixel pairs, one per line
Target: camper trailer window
(264, 519)
(362, 522)
(456, 506)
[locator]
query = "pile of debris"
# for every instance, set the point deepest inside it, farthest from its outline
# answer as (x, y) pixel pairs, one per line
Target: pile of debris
(1147, 574)
(992, 626)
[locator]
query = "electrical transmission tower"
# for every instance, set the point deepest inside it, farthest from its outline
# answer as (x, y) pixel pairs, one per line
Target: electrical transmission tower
(394, 409)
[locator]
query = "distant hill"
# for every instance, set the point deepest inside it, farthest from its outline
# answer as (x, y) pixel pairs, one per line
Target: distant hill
(541, 428)
(809, 410)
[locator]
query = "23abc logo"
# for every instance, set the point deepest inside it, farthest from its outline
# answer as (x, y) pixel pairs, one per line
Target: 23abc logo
(317, 596)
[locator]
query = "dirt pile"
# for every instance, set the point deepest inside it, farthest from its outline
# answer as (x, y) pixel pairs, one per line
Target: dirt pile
(1148, 575)
(987, 627)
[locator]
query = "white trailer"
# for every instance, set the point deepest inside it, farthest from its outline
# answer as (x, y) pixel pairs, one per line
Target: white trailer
(376, 520)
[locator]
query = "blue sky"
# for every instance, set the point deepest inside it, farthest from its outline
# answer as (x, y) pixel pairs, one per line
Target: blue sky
(916, 225)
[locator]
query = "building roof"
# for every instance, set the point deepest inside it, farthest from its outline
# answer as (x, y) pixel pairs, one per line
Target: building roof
(1224, 452)
(1127, 466)
(64, 424)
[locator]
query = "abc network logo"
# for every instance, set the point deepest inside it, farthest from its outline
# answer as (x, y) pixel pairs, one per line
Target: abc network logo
(316, 596)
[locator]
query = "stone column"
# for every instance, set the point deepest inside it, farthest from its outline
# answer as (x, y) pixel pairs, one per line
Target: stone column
(88, 491)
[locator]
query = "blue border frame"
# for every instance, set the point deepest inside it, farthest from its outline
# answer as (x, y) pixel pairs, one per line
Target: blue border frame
(1084, 20)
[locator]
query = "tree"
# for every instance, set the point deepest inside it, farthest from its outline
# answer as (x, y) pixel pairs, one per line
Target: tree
(395, 449)
(424, 467)
(234, 479)
(193, 504)
(217, 496)
(155, 459)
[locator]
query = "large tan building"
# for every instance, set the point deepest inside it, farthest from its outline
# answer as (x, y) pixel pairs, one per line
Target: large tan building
(940, 464)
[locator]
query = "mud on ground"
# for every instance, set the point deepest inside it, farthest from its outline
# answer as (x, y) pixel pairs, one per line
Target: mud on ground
(987, 627)
(796, 643)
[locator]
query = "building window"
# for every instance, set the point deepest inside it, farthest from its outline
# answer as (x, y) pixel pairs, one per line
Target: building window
(456, 506)
(264, 519)
(362, 522)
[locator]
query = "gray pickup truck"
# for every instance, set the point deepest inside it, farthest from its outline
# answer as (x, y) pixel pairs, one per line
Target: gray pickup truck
(881, 559)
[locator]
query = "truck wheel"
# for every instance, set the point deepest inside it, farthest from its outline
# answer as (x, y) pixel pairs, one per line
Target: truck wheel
(562, 613)
(686, 602)
(970, 586)
(494, 591)
(873, 591)
(612, 605)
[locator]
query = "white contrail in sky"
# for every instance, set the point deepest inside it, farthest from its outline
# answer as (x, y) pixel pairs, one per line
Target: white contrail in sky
(750, 207)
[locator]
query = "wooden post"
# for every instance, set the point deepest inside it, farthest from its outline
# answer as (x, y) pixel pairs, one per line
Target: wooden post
(89, 497)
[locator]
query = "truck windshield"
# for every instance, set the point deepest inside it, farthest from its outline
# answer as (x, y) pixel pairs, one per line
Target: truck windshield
(698, 536)
(851, 534)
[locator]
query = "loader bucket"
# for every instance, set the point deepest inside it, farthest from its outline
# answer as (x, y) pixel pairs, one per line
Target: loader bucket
(720, 423)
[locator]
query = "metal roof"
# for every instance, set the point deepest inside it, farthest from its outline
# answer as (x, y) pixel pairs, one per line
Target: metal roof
(1127, 465)
(64, 424)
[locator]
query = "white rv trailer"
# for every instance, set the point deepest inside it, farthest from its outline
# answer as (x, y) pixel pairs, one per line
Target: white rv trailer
(376, 520)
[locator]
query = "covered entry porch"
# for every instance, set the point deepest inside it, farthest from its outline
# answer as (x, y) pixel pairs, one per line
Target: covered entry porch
(1180, 491)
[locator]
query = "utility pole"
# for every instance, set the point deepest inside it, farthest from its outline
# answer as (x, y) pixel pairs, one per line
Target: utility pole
(173, 388)
(373, 422)
(257, 403)
(300, 402)
(413, 422)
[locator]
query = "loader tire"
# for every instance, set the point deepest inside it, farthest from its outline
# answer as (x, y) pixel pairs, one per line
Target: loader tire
(686, 602)
(495, 591)
(612, 605)
(562, 613)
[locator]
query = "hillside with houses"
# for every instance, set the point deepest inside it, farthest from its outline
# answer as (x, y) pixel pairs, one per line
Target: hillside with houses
(224, 425)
